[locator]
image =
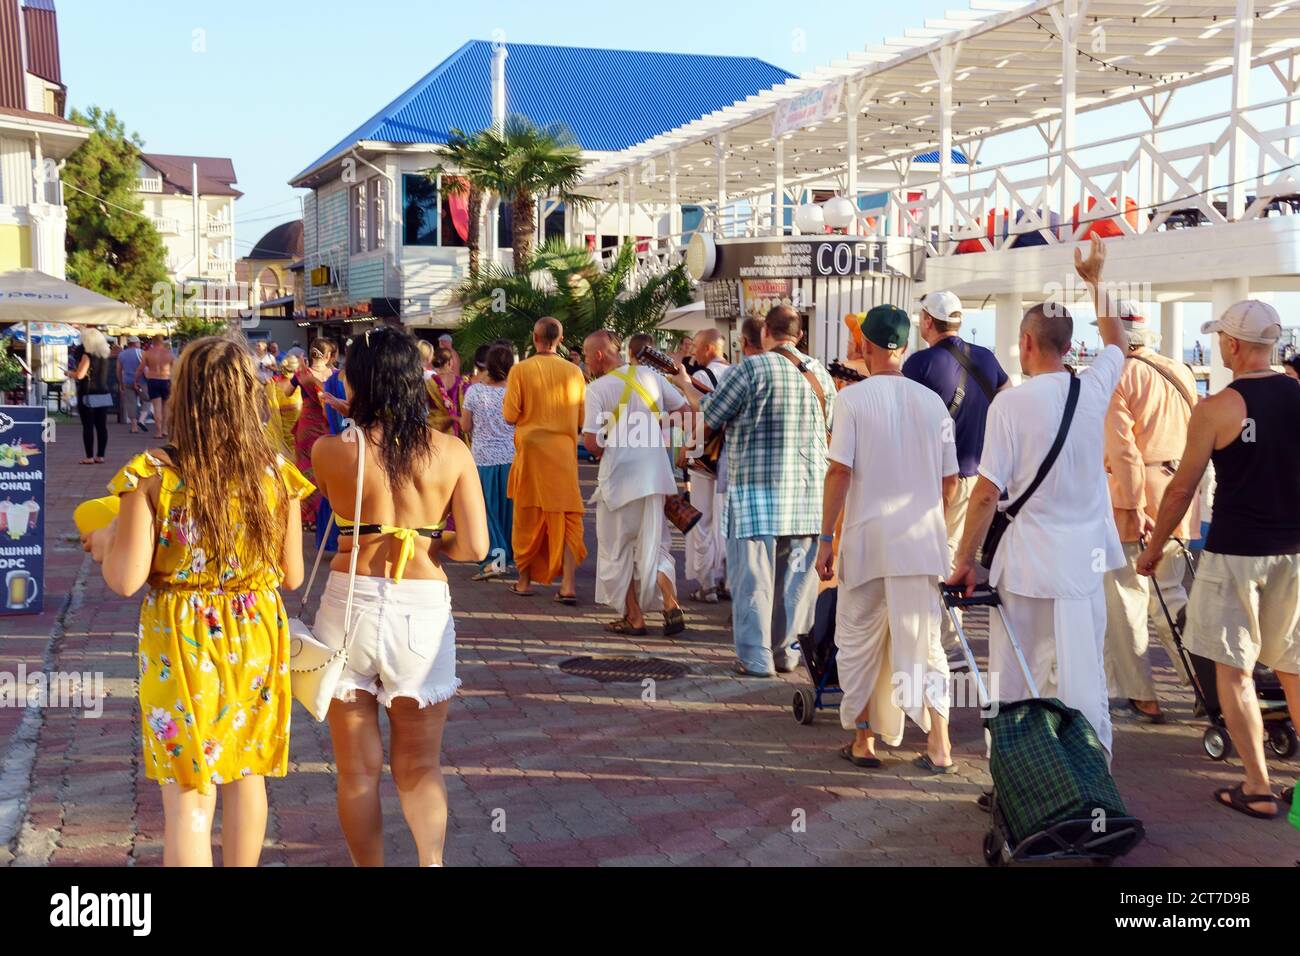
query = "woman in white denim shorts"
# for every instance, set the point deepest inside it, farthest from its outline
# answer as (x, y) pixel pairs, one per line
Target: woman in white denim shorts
(402, 640)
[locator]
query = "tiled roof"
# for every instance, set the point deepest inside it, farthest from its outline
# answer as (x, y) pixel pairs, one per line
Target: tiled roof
(281, 242)
(609, 99)
(216, 174)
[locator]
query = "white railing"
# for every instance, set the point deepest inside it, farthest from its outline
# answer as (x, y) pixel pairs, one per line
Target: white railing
(218, 227)
(167, 225)
(149, 184)
(1147, 184)
(219, 267)
(1174, 176)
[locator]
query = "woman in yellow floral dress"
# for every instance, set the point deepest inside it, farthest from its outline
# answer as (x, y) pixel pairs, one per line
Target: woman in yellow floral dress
(211, 525)
(285, 400)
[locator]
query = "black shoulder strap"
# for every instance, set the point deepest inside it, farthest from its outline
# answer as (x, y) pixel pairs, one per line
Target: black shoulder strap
(713, 379)
(968, 368)
(1071, 400)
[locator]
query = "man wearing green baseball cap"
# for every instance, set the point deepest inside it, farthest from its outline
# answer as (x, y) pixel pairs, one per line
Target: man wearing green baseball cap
(893, 463)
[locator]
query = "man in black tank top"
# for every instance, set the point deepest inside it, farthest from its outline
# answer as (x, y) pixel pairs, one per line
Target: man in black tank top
(1245, 605)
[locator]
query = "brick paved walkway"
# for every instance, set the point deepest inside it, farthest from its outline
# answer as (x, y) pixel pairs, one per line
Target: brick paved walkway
(547, 768)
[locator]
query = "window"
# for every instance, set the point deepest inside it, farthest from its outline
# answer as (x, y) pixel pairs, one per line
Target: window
(419, 211)
(375, 213)
(358, 218)
(553, 227)
(454, 217)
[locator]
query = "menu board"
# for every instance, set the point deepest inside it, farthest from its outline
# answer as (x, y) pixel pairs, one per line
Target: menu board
(22, 508)
(762, 295)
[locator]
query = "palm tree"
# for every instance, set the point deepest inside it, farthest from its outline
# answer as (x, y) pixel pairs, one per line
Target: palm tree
(464, 153)
(519, 163)
(565, 282)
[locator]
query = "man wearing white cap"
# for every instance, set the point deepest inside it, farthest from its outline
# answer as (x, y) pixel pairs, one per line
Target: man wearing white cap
(1146, 428)
(1245, 605)
(966, 376)
(1044, 448)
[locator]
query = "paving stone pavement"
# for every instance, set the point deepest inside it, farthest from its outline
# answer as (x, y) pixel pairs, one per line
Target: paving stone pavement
(547, 768)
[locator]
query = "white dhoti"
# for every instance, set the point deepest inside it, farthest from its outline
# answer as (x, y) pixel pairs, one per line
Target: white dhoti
(629, 547)
(1130, 602)
(890, 654)
(667, 563)
(705, 549)
(1062, 640)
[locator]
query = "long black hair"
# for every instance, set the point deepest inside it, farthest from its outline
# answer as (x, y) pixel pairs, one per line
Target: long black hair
(386, 375)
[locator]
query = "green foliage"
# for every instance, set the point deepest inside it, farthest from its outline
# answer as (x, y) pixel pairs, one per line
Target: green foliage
(11, 371)
(190, 327)
(519, 163)
(564, 281)
(112, 248)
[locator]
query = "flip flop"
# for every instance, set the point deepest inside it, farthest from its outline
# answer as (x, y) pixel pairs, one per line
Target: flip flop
(1241, 801)
(514, 589)
(674, 622)
(867, 763)
(929, 766)
(740, 670)
(1157, 718)
(570, 599)
(623, 626)
(1288, 796)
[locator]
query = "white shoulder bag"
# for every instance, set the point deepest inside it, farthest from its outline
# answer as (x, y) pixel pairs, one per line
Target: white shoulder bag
(315, 668)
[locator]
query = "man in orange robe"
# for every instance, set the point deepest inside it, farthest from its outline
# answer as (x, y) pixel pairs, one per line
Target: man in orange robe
(544, 401)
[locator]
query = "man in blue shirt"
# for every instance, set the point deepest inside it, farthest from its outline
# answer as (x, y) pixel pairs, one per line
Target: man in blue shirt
(966, 377)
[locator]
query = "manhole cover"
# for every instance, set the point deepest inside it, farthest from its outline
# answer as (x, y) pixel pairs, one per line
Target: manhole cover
(614, 670)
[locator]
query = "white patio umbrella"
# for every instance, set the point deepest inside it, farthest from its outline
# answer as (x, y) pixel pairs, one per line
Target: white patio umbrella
(687, 318)
(27, 296)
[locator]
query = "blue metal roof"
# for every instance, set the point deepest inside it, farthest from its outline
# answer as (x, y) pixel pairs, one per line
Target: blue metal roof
(932, 156)
(609, 99)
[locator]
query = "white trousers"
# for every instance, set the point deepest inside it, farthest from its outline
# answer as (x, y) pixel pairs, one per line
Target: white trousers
(629, 547)
(705, 549)
(1130, 601)
(1062, 640)
(890, 656)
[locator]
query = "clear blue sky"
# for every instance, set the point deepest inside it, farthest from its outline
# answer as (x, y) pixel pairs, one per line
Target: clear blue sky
(273, 84)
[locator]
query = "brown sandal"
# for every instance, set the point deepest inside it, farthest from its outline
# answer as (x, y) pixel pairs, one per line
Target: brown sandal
(624, 626)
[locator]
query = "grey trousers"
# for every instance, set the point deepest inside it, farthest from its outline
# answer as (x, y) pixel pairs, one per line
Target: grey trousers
(773, 582)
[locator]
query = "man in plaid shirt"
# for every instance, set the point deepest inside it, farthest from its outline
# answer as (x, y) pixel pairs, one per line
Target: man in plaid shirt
(776, 465)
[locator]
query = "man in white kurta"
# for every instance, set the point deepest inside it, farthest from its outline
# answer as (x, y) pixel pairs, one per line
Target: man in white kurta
(623, 427)
(893, 462)
(1051, 563)
(705, 548)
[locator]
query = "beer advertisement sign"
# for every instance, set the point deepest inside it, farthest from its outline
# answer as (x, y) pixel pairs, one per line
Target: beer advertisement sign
(22, 508)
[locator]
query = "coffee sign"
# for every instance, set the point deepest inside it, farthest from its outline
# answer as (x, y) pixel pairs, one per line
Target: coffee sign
(799, 258)
(22, 508)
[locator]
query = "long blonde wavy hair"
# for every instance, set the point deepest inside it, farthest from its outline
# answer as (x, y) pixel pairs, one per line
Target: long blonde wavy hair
(223, 453)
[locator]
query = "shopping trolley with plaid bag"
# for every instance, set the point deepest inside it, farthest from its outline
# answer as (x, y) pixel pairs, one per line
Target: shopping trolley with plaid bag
(1053, 796)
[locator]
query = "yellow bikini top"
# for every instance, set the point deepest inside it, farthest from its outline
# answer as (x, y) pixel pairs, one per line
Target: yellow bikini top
(406, 536)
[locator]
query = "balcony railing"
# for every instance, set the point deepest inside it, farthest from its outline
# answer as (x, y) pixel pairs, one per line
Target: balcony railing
(1175, 176)
(149, 184)
(219, 267)
(219, 227)
(167, 225)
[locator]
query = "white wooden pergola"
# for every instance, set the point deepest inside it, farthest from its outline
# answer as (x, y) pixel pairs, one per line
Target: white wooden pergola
(996, 68)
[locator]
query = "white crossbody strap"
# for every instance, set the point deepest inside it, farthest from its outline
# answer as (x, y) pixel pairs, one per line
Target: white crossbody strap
(359, 438)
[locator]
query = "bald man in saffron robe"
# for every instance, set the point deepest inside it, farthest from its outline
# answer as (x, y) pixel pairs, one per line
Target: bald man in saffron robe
(544, 401)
